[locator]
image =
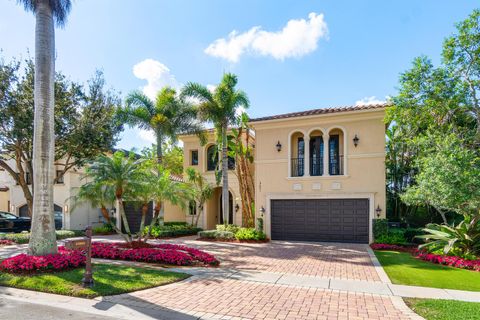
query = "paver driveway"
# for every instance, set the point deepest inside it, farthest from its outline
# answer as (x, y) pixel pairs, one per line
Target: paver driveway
(227, 298)
(326, 260)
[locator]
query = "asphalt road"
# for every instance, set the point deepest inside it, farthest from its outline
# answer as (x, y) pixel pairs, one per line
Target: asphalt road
(22, 310)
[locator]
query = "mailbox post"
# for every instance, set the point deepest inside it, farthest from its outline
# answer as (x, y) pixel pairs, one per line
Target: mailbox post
(88, 276)
(84, 244)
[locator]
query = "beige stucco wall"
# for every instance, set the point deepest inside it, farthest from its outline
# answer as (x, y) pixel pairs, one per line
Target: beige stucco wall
(174, 213)
(364, 165)
(4, 198)
(208, 220)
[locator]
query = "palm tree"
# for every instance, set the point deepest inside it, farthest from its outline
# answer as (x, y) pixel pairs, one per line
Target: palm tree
(164, 188)
(98, 195)
(120, 172)
(202, 191)
(167, 116)
(43, 239)
(219, 107)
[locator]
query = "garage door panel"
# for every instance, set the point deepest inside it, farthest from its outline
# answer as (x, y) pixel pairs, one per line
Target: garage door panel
(340, 220)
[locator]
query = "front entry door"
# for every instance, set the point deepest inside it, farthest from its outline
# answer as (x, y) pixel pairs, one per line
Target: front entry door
(230, 211)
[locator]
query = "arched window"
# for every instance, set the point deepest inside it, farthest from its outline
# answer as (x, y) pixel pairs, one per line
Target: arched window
(212, 158)
(335, 152)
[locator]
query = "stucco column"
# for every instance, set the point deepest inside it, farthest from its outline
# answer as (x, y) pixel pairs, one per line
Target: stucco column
(326, 151)
(306, 169)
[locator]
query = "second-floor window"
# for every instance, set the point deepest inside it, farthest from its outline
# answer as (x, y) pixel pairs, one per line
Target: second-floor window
(59, 177)
(194, 157)
(335, 165)
(212, 158)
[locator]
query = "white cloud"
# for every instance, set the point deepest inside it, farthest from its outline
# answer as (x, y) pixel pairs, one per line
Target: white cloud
(370, 100)
(296, 39)
(157, 75)
(146, 135)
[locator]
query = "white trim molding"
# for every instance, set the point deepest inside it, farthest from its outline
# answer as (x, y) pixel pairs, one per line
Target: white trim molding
(287, 196)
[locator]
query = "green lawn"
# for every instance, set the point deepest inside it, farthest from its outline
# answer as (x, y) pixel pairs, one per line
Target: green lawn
(432, 309)
(109, 280)
(403, 268)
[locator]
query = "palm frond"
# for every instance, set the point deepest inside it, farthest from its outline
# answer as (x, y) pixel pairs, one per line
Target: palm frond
(60, 9)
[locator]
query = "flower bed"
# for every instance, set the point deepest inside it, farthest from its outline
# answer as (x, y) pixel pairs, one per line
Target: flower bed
(161, 253)
(6, 243)
(451, 261)
(24, 263)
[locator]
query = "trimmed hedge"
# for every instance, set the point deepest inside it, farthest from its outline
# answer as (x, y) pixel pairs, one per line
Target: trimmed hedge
(215, 234)
(24, 237)
(250, 234)
(172, 230)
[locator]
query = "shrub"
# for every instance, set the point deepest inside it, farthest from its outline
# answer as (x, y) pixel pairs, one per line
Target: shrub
(463, 237)
(103, 229)
(172, 230)
(411, 234)
(380, 228)
(162, 253)
(215, 234)
(395, 236)
(175, 223)
(227, 227)
(64, 234)
(19, 238)
(250, 234)
(64, 259)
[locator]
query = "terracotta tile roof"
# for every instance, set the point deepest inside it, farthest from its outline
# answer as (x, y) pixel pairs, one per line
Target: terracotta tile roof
(321, 111)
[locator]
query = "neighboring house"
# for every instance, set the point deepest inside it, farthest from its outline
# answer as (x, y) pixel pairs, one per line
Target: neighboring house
(203, 159)
(320, 174)
(13, 200)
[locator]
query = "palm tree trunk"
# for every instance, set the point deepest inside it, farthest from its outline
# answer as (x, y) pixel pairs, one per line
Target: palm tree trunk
(43, 238)
(124, 219)
(142, 223)
(225, 194)
(159, 147)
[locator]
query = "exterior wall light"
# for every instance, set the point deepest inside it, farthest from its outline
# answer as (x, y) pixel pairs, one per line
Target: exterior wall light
(279, 146)
(237, 207)
(65, 208)
(378, 211)
(262, 210)
(12, 208)
(355, 141)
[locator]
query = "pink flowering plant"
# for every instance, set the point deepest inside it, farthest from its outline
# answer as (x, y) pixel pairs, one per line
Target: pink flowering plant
(63, 260)
(451, 261)
(5, 242)
(162, 253)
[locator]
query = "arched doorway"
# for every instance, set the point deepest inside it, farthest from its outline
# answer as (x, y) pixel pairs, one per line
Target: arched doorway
(214, 212)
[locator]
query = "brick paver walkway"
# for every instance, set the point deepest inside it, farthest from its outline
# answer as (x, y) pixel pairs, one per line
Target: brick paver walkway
(226, 298)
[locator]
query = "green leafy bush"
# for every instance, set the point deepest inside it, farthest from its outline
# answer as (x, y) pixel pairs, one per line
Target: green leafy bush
(24, 237)
(463, 238)
(215, 234)
(103, 229)
(172, 230)
(175, 223)
(380, 228)
(227, 227)
(391, 238)
(250, 234)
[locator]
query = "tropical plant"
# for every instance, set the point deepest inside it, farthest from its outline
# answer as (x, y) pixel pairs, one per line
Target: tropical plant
(164, 188)
(202, 191)
(122, 174)
(43, 240)
(98, 195)
(167, 116)
(240, 147)
(220, 107)
(463, 239)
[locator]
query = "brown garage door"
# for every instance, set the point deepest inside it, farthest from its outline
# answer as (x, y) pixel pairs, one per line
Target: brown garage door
(338, 220)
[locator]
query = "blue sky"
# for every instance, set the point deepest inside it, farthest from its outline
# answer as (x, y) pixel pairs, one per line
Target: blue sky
(303, 55)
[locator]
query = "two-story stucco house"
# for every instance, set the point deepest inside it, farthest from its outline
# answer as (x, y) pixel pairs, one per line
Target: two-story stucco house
(320, 174)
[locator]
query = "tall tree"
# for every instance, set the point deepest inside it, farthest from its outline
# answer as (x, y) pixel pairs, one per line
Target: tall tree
(438, 101)
(85, 123)
(167, 116)
(43, 238)
(219, 107)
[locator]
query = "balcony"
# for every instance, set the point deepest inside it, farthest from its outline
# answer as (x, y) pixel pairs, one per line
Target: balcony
(298, 165)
